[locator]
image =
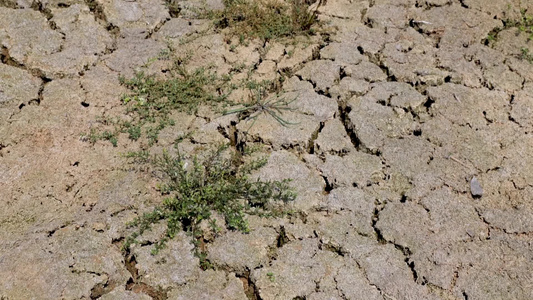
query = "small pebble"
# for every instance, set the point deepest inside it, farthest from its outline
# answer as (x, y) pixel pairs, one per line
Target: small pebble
(475, 188)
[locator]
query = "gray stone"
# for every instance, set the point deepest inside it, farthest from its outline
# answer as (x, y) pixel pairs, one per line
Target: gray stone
(475, 187)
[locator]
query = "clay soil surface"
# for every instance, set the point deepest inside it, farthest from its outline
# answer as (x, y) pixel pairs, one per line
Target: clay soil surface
(411, 153)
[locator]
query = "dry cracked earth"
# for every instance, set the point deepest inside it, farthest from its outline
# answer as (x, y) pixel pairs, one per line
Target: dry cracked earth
(411, 154)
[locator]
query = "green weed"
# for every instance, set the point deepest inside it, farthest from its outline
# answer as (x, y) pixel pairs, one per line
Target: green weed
(266, 19)
(214, 183)
(151, 100)
(526, 55)
(523, 24)
(94, 135)
(271, 276)
(273, 106)
(173, 8)
(183, 91)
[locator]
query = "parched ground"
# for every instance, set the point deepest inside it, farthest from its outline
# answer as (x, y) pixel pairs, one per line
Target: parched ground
(411, 154)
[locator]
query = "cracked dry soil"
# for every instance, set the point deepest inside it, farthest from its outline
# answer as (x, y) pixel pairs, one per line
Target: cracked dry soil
(398, 108)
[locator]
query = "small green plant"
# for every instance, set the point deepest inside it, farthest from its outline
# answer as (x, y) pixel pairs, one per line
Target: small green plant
(93, 136)
(271, 276)
(173, 8)
(182, 91)
(200, 186)
(142, 156)
(151, 100)
(134, 131)
(523, 24)
(491, 37)
(262, 104)
(526, 55)
(267, 19)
